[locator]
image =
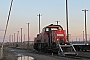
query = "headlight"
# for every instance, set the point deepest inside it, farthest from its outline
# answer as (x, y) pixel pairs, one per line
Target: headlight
(65, 44)
(57, 39)
(87, 44)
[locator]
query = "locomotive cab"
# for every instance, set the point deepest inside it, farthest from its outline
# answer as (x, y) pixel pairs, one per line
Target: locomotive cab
(55, 33)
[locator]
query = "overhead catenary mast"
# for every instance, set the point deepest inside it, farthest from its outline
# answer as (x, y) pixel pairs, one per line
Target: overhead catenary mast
(24, 37)
(28, 36)
(85, 10)
(17, 36)
(83, 35)
(39, 21)
(14, 38)
(21, 37)
(67, 20)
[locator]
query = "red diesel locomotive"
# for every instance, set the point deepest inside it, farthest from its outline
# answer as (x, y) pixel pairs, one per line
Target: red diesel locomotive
(50, 39)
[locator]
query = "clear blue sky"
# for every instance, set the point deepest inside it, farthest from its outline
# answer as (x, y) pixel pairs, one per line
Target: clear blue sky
(24, 11)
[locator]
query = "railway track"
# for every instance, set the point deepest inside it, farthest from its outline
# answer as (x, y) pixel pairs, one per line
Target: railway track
(79, 57)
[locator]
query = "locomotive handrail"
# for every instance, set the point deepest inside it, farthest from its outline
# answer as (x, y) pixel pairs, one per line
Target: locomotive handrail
(65, 45)
(73, 48)
(60, 48)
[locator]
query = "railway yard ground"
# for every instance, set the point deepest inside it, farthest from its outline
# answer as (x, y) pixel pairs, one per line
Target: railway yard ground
(15, 53)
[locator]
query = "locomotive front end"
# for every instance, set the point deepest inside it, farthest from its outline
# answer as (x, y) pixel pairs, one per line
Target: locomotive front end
(60, 36)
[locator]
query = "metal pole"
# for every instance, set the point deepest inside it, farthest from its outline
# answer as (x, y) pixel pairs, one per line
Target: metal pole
(14, 38)
(19, 41)
(79, 39)
(67, 18)
(24, 37)
(39, 22)
(21, 37)
(28, 36)
(6, 30)
(57, 22)
(83, 35)
(76, 39)
(85, 25)
(17, 36)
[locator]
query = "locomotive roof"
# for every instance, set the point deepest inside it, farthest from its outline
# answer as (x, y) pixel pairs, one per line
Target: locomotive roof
(51, 25)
